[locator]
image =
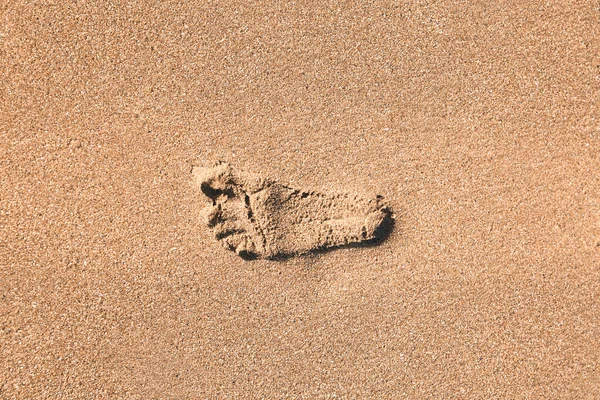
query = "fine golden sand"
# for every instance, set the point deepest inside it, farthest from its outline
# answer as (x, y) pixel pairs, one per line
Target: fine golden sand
(478, 123)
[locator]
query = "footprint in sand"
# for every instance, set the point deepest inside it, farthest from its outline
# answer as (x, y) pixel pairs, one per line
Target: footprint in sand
(260, 218)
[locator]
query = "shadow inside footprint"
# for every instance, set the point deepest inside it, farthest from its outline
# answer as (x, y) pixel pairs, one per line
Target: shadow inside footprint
(381, 234)
(383, 231)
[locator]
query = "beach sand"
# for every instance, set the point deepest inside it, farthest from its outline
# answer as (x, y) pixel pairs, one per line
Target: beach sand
(478, 123)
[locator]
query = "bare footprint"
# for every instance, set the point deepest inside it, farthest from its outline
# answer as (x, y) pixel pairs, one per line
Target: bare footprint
(260, 218)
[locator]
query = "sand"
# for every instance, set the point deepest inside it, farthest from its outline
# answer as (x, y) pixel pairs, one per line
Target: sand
(478, 123)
